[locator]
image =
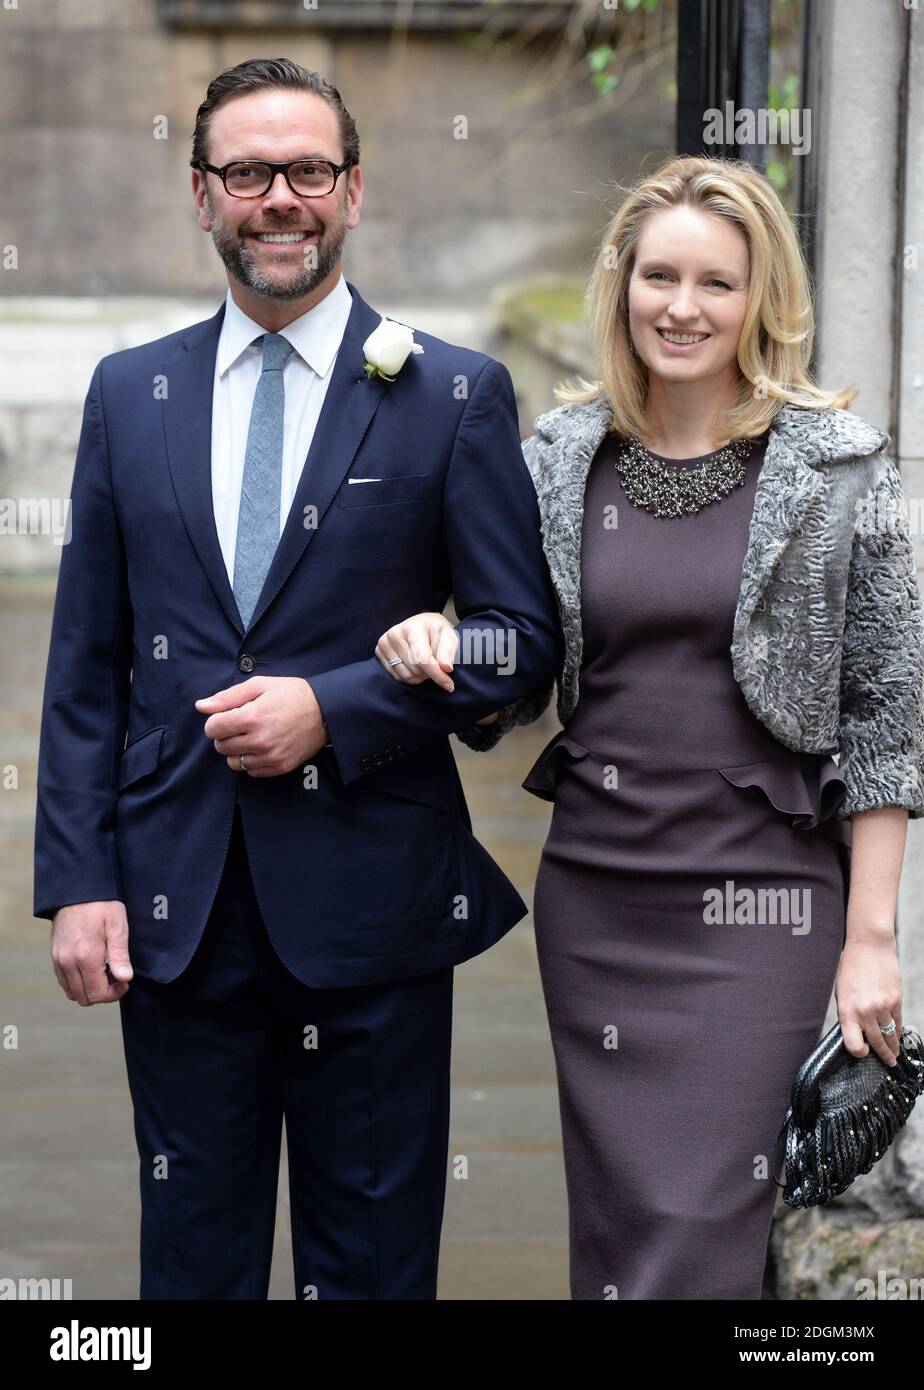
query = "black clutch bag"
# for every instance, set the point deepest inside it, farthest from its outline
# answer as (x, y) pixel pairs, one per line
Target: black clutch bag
(844, 1113)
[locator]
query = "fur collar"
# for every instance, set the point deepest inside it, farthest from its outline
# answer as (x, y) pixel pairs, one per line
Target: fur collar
(792, 476)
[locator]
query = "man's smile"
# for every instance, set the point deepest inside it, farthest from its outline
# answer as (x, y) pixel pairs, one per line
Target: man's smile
(296, 238)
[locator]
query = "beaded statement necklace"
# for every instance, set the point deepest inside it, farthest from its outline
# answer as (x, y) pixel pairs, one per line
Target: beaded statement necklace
(666, 489)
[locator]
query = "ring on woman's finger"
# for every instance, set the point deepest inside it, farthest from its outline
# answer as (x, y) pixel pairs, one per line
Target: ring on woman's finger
(395, 661)
(888, 1028)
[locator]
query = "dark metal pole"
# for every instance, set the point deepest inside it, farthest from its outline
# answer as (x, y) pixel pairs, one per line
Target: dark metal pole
(691, 75)
(723, 58)
(754, 70)
(807, 168)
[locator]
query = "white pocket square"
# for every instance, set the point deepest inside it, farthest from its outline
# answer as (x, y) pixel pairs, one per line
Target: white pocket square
(364, 480)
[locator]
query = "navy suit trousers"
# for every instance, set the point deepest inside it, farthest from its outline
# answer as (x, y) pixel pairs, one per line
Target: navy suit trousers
(218, 1056)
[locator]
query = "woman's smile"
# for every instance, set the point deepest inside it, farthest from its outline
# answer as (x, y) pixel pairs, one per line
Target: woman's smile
(675, 340)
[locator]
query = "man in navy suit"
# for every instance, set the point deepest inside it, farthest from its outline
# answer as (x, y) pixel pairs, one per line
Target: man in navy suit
(239, 811)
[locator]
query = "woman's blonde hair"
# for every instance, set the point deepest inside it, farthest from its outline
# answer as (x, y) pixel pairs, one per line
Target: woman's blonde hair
(775, 346)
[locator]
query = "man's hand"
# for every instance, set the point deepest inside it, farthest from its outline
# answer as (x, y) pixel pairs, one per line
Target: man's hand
(274, 720)
(84, 937)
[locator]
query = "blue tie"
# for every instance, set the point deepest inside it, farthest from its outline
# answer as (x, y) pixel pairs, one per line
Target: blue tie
(258, 517)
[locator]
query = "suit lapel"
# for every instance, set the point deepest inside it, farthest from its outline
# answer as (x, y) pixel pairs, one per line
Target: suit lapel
(187, 411)
(349, 405)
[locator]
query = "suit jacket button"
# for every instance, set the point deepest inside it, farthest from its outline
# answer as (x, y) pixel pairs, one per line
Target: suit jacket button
(245, 663)
(365, 764)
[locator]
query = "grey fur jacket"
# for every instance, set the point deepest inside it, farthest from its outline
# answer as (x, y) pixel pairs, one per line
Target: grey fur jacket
(828, 636)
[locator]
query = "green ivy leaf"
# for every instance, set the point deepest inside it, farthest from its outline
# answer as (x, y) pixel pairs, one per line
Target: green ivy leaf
(778, 174)
(598, 58)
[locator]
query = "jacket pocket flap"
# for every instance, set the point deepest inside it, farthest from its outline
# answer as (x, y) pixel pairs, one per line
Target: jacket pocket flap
(141, 756)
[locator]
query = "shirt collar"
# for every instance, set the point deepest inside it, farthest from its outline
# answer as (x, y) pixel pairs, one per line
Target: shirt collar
(316, 335)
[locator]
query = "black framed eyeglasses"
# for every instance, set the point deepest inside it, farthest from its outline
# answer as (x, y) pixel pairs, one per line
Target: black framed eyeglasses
(251, 178)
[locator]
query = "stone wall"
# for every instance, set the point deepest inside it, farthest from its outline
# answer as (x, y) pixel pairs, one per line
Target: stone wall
(87, 87)
(91, 86)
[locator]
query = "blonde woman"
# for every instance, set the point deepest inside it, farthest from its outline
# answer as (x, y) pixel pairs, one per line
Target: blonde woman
(739, 601)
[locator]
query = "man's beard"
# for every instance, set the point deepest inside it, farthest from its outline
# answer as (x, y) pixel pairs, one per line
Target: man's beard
(242, 263)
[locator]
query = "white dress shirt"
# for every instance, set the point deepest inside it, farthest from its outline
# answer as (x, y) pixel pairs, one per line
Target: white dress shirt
(316, 337)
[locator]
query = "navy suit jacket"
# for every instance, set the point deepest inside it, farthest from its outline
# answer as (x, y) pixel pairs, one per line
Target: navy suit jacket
(363, 861)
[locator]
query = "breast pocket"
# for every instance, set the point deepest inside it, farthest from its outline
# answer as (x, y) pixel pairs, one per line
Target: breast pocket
(383, 492)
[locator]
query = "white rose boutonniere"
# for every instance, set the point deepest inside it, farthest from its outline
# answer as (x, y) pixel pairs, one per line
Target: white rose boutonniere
(388, 348)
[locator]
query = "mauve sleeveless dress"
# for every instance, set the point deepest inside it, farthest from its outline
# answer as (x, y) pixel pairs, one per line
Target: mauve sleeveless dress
(677, 1032)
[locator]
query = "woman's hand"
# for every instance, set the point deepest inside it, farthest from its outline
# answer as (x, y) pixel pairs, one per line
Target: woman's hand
(428, 645)
(869, 993)
(869, 987)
